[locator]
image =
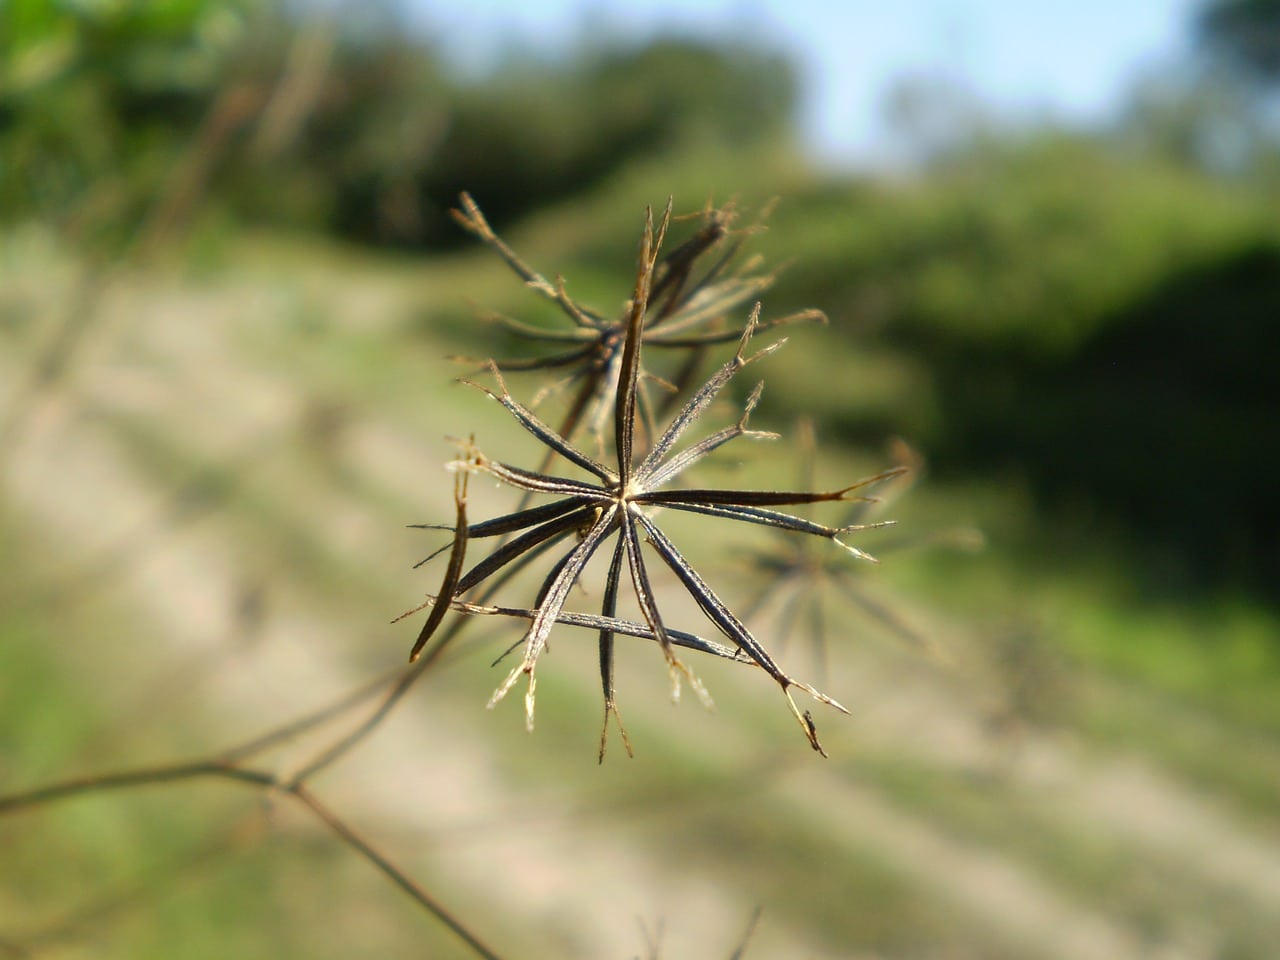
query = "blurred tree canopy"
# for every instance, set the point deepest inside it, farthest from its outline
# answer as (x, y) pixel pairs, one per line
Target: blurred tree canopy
(127, 116)
(1245, 34)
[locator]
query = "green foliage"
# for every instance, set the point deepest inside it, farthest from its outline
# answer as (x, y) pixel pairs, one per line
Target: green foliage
(125, 119)
(1245, 34)
(91, 96)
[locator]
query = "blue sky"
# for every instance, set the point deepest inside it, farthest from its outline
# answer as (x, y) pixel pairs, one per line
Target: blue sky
(1069, 60)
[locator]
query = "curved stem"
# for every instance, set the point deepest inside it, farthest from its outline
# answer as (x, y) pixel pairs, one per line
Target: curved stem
(263, 780)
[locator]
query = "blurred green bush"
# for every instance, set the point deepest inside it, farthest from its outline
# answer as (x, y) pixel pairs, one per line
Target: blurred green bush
(1096, 321)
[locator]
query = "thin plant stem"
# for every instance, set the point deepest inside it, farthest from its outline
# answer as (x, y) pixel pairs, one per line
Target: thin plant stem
(393, 873)
(220, 769)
